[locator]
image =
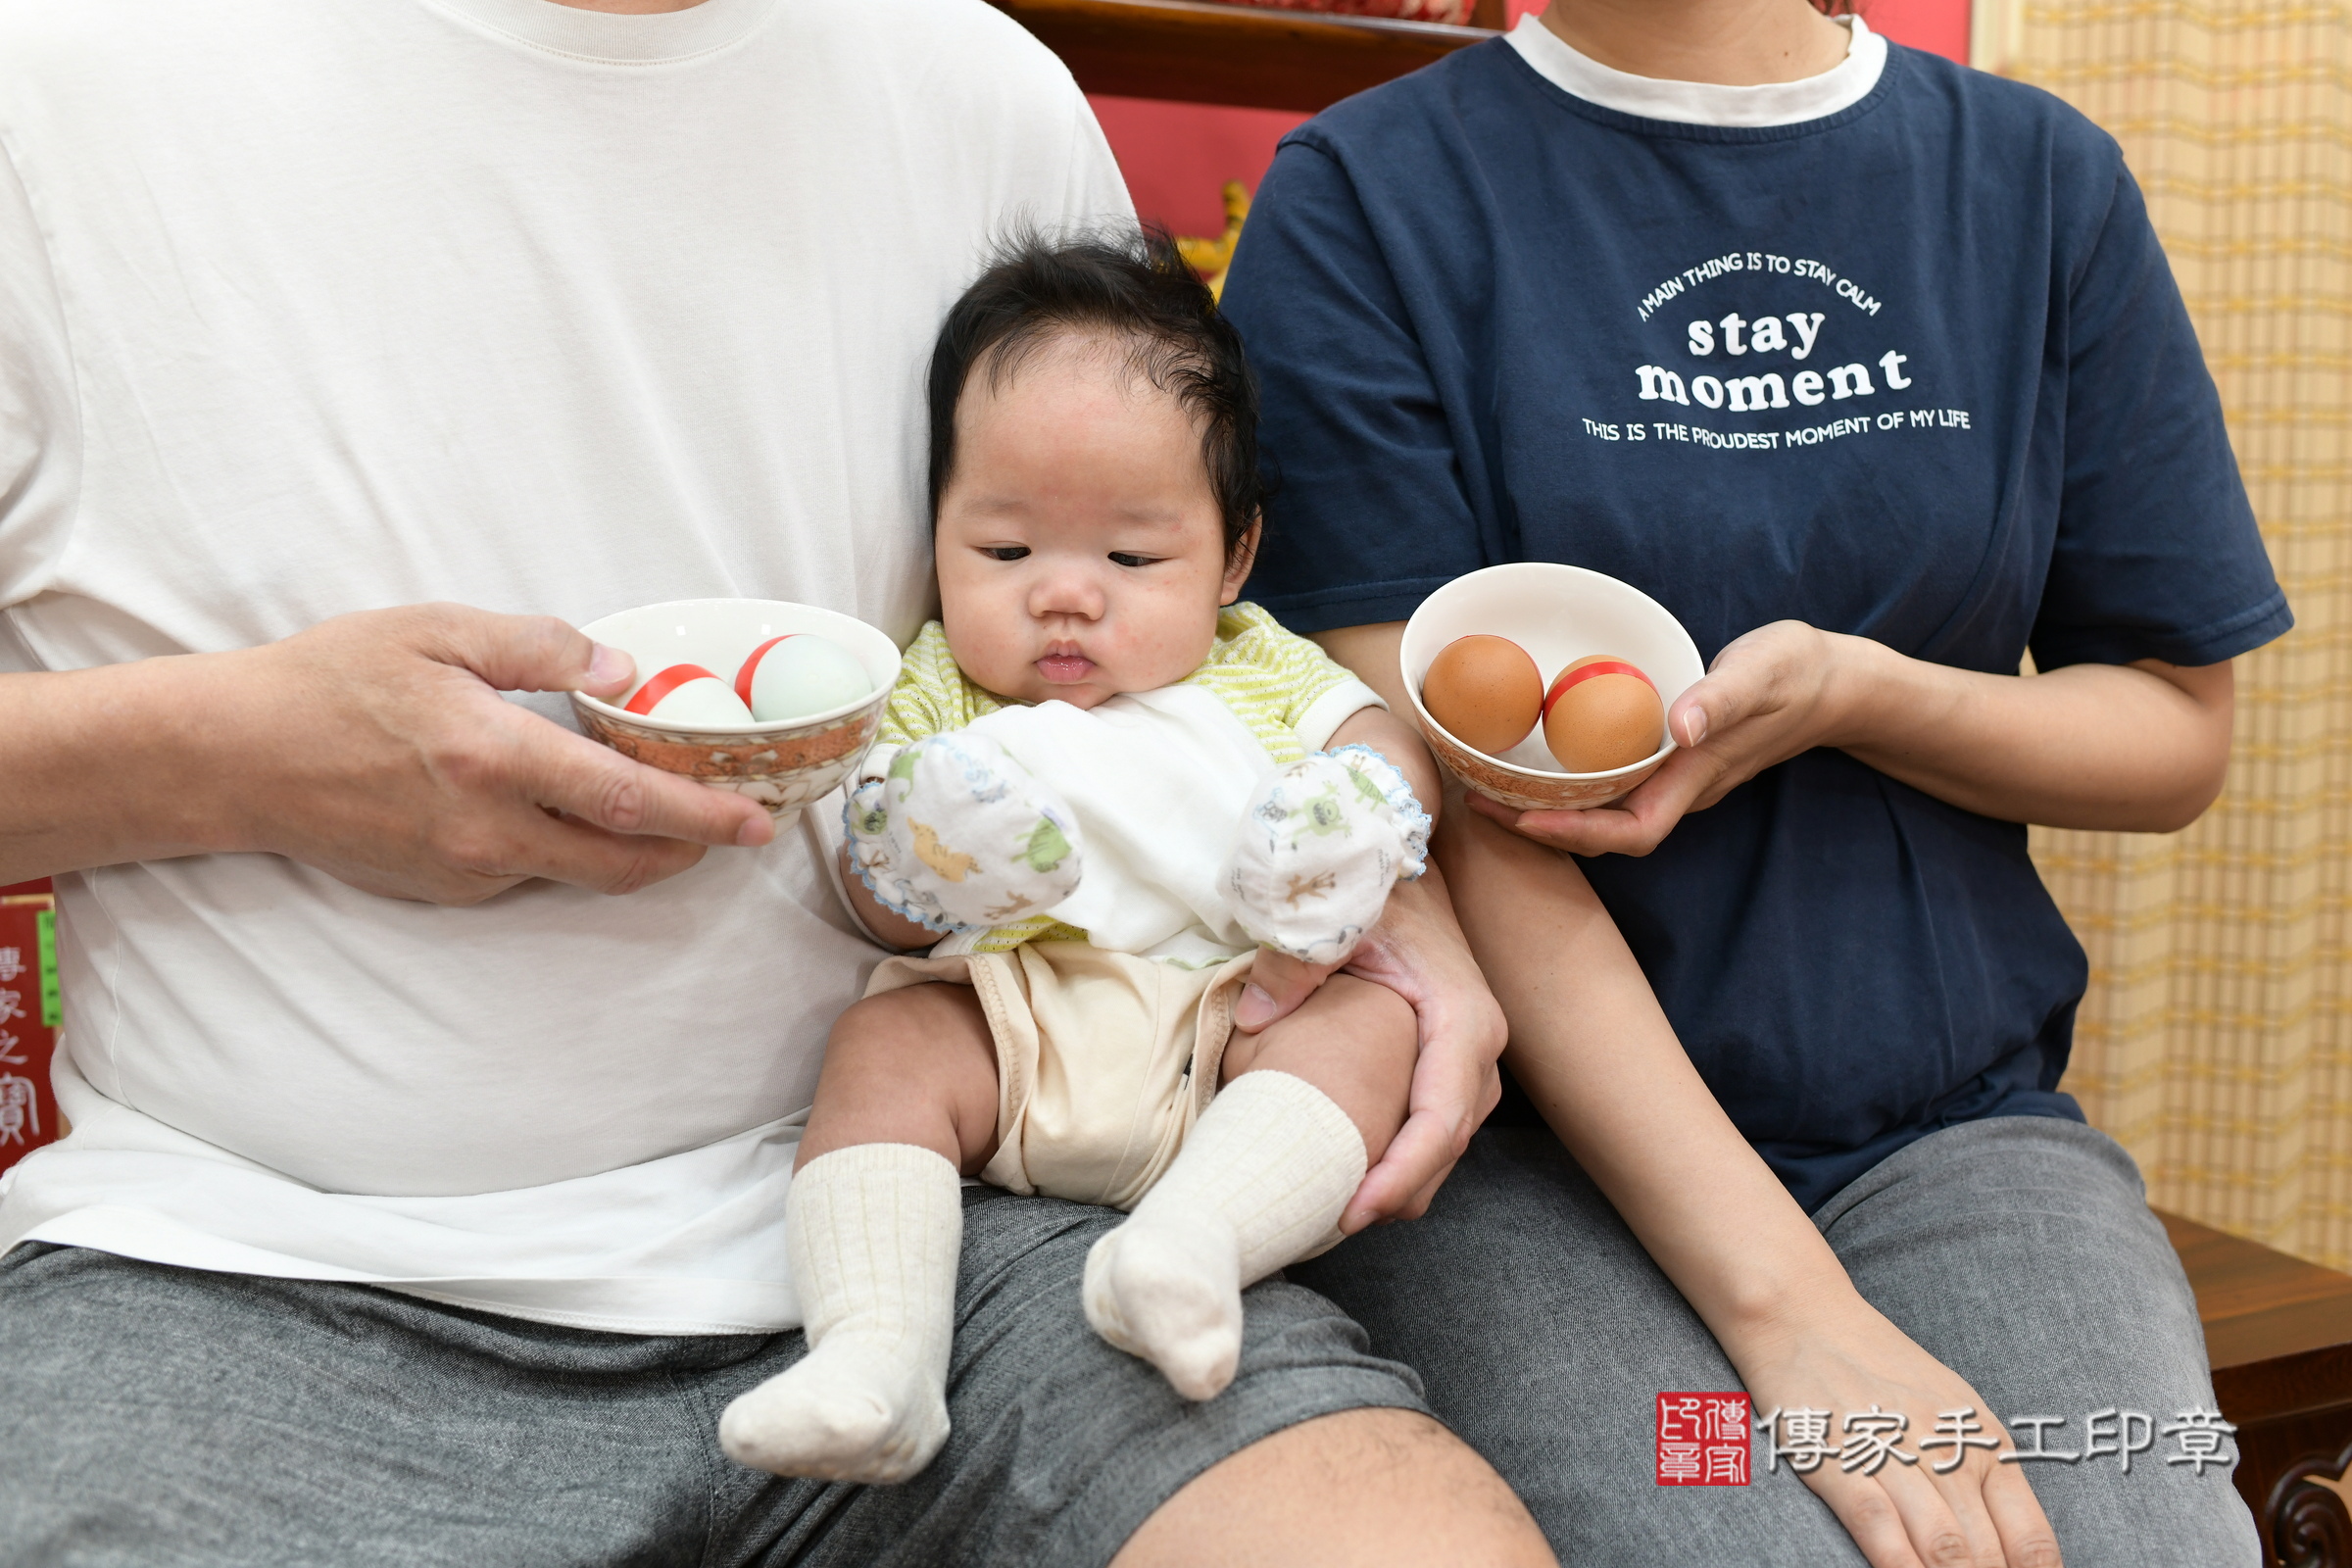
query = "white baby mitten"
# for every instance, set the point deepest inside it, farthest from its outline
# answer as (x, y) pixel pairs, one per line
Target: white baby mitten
(956, 834)
(1324, 841)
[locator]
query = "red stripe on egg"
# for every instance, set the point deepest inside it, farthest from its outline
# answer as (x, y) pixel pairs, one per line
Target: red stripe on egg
(1583, 673)
(750, 667)
(648, 696)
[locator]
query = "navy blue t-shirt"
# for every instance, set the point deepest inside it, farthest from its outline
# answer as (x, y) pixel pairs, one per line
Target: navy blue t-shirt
(1915, 370)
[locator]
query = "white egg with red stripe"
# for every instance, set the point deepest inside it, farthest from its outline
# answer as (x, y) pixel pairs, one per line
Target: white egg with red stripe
(687, 694)
(800, 674)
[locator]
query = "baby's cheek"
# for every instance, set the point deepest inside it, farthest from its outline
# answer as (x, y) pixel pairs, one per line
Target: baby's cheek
(1178, 648)
(988, 645)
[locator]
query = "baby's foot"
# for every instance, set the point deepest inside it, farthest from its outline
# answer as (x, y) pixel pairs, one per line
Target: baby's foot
(851, 1409)
(1169, 1289)
(957, 835)
(1319, 848)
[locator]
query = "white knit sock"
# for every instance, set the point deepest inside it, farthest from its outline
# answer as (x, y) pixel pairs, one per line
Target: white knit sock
(1261, 1182)
(873, 1233)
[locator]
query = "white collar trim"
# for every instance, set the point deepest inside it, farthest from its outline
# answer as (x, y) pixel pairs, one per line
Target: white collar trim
(1705, 103)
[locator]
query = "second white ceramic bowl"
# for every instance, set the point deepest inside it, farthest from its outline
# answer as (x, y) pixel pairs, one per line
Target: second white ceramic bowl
(1559, 615)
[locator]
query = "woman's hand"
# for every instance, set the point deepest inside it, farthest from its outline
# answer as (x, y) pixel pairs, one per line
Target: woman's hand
(2134, 748)
(1416, 951)
(1599, 1060)
(1769, 695)
(1951, 1505)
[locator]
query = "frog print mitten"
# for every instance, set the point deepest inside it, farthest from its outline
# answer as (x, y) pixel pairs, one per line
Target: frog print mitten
(1323, 842)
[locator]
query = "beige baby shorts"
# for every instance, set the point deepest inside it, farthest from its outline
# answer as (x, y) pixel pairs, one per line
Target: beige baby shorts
(1104, 1060)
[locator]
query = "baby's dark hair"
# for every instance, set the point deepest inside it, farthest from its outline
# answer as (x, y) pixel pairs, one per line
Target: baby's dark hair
(1129, 285)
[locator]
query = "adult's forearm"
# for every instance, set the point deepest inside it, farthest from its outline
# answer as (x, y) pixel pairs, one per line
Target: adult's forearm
(1594, 1052)
(105, 766)
(1371, 651)
(2137, 748)
(373, 747)
(2140, 747)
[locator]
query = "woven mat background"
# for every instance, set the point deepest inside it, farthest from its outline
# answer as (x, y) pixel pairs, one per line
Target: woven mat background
(2213, 1043)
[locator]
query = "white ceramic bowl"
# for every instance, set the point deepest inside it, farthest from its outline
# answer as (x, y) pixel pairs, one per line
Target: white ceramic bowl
(1558, 615)
(783, 766)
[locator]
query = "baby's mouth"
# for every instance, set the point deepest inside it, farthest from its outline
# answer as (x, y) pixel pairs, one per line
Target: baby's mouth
(1065, 670)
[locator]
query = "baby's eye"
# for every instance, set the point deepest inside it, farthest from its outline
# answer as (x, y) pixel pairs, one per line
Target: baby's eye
(1004, 552)
(1121, 558)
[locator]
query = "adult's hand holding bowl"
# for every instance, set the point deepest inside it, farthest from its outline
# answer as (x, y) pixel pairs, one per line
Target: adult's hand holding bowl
(783, 764)
(1778, 691)
(375, 747)
(1557, 614)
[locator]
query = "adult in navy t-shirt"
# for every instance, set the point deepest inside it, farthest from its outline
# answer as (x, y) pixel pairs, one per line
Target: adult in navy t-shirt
(1916, 371)
(1913, 370)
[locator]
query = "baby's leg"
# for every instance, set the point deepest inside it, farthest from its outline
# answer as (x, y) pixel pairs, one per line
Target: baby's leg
(915, 1065)
(1261, 1180)
(1355, 1040)
(873, 1221)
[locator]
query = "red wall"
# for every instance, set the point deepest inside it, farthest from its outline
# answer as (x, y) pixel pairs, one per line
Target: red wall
(1177, 156)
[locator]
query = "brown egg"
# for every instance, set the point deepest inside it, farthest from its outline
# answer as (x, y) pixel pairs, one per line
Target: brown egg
(1486, 691)
(1603, 714)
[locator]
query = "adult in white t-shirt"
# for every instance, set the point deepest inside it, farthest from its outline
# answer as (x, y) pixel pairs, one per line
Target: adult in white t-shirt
(392, 1132)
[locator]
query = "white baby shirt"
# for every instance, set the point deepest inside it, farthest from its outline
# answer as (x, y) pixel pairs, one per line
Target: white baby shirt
(1160, 778)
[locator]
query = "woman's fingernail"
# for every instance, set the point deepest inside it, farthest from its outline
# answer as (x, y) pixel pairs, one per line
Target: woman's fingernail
(609, 666)
(1695, 726)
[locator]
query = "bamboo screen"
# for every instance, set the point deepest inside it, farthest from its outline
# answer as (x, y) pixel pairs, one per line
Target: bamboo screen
(2214, 1041)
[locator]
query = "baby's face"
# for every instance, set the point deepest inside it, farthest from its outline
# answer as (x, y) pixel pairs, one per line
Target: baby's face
(1081, 551)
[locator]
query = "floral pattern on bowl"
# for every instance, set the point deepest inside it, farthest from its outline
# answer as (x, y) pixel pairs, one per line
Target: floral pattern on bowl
(782, 769)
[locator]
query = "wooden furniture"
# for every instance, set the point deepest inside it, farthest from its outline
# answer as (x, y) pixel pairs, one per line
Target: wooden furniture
(2278, 1332)
(1234, 54)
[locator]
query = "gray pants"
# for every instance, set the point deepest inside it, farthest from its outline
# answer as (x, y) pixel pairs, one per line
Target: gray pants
(2020, 1251)
(157, 1417)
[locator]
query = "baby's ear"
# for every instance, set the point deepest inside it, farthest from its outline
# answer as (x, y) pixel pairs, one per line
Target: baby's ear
(1239, 558)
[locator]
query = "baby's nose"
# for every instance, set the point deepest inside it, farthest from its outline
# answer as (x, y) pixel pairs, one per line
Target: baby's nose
(1071, 590)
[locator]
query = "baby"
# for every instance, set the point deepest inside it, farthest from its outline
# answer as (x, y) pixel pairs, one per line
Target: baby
(1109, 784)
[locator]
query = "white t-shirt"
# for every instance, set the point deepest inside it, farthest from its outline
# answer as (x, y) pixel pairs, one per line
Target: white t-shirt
(307, 309)
(1705, 103)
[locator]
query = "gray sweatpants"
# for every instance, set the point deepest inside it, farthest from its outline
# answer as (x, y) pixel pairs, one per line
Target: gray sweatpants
(161, 1417)
(2020, 1251)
